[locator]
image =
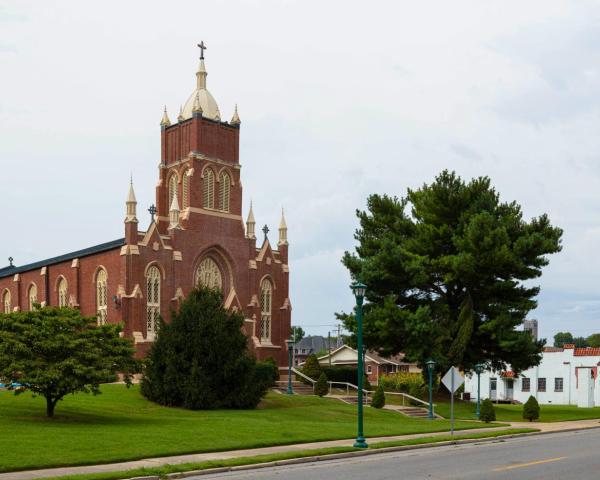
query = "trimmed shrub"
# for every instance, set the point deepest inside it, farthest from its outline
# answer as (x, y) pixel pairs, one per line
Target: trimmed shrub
(267, 372)
(378, 400)
(404, 382)
(341, 374)
(321, 387)
(531, 409)
(311, 368)
(273, 362)
(201, 361)
(487, 412)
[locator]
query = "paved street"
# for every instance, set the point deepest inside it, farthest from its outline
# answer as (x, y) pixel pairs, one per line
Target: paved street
(569, 455)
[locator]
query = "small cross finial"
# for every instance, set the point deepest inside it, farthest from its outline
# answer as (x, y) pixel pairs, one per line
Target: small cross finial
(10, 260)
(202, 47)
(265, 231)
(152, 210)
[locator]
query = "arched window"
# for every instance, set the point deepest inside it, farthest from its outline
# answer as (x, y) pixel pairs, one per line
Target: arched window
(209, 275)
(224, 191)
(101, 296)
(209, 188)
(32, 296)
(63, 300)
(172, 189)
(6, 301)
(186, 189)
(266, 297)
(152, 299)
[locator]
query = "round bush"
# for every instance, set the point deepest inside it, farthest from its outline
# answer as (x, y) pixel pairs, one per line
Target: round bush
(487, 412)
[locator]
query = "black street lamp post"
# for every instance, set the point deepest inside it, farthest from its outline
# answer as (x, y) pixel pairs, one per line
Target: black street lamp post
(430, 366)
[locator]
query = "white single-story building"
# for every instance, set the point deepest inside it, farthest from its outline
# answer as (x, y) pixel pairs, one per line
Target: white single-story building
(565, 376)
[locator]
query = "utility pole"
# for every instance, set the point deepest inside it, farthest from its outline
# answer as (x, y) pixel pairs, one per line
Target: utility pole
(329, 345)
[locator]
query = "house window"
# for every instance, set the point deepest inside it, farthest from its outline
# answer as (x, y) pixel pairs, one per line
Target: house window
(101, 297)
(152, 300)
(32, 296)
(185, 190)
(224, 191)
(172, 189)
(558, 384)
(208, 188)
(266, 297)
(209, 275)
(6, 301)
(369, 370)
(525, 384)
(63, 300)
(541, 384)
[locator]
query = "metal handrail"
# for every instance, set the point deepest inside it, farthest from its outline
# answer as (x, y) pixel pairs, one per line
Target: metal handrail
(298, 372)
(406, 395)
(348, 385)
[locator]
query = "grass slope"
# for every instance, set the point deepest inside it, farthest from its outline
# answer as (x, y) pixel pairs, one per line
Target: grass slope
(122, 425)
(514, 413)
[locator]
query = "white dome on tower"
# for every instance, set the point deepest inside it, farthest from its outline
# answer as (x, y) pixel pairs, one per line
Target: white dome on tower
(201, 99)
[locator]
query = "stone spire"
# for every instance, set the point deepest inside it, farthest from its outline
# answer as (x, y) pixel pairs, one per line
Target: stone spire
(201, 75)
(180, 116)
(282, 230)
(174, 213)
(235, 120)
(131, 204)
(218, 115)
(197, 108)
(165, 122)
(250, 224)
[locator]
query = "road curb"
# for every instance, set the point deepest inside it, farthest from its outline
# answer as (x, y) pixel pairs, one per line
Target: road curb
(357, 453)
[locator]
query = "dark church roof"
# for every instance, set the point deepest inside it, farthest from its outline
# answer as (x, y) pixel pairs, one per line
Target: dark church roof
(103, 247)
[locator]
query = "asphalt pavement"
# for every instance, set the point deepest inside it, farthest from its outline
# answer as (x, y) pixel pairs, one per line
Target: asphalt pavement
(564, 456)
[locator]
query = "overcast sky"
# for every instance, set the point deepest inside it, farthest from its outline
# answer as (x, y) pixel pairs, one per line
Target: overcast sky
(337, 100)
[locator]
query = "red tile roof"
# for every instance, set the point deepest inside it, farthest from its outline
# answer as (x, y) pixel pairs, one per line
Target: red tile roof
(587, 352)
(553, 349)
(509, 374)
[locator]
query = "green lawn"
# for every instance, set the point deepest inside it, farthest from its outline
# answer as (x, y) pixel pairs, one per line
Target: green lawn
(122, 425)
(513, 413)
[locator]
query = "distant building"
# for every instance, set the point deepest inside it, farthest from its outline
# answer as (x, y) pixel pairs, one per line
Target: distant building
(565, 376)
(313, 344)
(375, 365)
(532, 327)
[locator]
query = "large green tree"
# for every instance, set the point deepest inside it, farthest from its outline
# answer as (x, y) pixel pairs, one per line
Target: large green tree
(56, 351)
(201, 360)
(594, 340)
(561, 338)
(448, 270)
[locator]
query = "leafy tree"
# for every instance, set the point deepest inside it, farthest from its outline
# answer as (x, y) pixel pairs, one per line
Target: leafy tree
(594, 340)
(580, 342)
(56, 351)
(201, 361)
(312, 368)
(487, 412)
(378, 400)
(448, 271)
(531, 409)
(561, 338)
(321, 387)
(298, 334)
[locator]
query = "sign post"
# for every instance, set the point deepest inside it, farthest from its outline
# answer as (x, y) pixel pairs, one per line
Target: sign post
(452, 381)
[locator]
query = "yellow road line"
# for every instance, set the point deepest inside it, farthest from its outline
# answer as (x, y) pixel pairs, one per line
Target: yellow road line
(529, 464)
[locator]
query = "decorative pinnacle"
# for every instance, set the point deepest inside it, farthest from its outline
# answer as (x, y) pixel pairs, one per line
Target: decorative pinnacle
(165, 122)
(180, 116)
(10, 260)
(235, 120)
(265, 230)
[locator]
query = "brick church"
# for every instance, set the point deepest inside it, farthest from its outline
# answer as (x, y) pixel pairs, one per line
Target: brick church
(196, 236)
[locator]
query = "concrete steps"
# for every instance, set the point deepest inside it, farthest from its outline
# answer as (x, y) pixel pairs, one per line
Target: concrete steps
(354, 400)
(298, 387)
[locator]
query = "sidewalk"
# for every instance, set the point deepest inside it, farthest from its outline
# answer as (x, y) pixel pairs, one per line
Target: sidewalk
(201, 457)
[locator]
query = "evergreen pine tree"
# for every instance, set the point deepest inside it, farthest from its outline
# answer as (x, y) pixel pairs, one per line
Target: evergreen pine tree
(531, 409)
(311, 368)
(200, 360)
(321, 387)
(378, 400)
(487, 412)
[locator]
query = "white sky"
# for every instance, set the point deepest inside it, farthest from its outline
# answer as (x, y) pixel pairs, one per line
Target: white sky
(338, 99)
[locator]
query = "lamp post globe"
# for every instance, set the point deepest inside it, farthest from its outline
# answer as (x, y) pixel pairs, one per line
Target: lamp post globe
(359, 290)
(479, 367)
(430, 367)
(290, 346)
